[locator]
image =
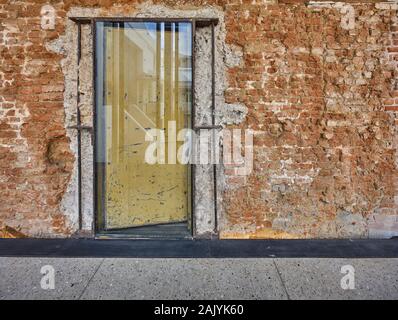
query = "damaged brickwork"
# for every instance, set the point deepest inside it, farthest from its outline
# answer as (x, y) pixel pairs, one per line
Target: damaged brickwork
(318, 82)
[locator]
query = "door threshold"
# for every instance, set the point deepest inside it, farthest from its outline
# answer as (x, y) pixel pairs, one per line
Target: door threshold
(107, 236)
(169, 231)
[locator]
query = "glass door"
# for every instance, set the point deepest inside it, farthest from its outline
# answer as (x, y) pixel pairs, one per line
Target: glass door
(143, 105)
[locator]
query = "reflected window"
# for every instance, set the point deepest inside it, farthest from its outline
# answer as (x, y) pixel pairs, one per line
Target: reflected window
(143, 82)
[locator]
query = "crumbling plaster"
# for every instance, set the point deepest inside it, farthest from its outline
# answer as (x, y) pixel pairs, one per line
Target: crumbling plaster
(225, 114)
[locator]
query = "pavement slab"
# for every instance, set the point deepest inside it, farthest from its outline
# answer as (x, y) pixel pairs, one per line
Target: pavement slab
(321, 278)
(186, 279)
(206, 278)
(20, 278)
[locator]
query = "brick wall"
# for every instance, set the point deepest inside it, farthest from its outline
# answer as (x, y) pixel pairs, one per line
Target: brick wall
(321, 91)
(317, 89)
(35, 158)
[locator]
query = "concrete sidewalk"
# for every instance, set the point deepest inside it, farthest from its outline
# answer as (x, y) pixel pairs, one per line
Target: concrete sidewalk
(254, 278)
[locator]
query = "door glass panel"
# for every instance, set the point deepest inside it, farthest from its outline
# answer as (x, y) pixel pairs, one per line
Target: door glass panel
(143, 82)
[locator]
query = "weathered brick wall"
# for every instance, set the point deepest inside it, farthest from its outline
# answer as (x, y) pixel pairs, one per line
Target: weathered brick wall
(321, 95)
(317, 95)
(35, 158)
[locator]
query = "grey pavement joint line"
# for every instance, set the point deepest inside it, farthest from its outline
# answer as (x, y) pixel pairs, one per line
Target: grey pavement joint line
(91, 278)
(280, 278)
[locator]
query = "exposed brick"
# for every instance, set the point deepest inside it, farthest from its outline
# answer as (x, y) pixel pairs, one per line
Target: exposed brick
(322, 100)
(333, 129)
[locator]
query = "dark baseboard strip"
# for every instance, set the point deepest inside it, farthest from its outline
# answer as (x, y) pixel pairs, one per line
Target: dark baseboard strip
(199, 248)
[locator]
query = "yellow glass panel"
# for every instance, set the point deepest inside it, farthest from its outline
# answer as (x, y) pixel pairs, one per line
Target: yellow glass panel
(146, 72)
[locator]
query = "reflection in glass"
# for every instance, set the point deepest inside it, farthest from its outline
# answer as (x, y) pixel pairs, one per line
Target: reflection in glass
(143, 81)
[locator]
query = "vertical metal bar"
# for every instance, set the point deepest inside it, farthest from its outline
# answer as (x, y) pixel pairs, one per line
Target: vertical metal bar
(79, 135)
(193, 112)
(94, 130)
(158, 75)
(213, 120)
(176, 75)
(122, 87)
(167, 84)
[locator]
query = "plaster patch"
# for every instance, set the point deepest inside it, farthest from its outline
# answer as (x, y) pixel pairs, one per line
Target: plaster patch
(225, 113)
